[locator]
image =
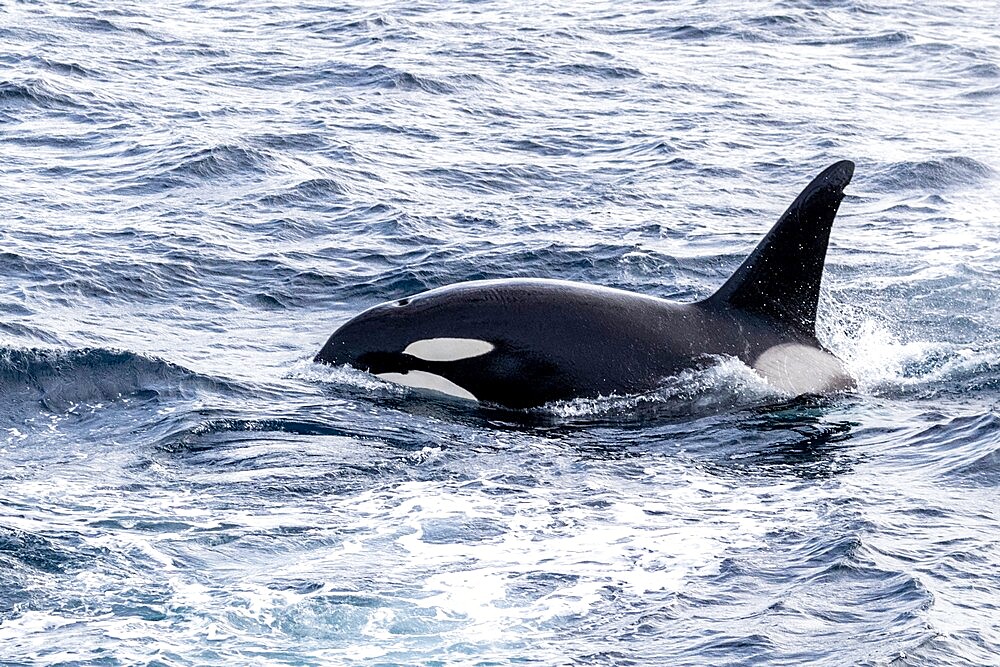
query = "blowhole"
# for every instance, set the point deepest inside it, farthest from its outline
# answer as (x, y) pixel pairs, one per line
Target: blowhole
(403, 302)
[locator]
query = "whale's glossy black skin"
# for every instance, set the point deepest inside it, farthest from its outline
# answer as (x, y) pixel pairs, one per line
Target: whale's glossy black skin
(554, 340)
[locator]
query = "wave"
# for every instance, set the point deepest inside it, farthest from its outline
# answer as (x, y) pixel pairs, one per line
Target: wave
(374, 277)
(381, 76)
(19, 548)
(216, 162)
(342, 75)
(491, 179)
(37, 92)
(602, 72)
(983, 71)
(95, 24)
(932, 175)
(963, 451)
(187, 167)
(683, 32)
(317, 194)
(983, 93)
(61, 381)
(75, 69)
(890, 38)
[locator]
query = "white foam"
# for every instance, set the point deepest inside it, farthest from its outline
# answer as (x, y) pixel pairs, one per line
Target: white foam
(342, 375)
(878, 359)
(726, 382)
(619, 544)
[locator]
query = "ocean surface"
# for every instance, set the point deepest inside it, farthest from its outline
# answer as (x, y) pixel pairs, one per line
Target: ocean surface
(195, 194)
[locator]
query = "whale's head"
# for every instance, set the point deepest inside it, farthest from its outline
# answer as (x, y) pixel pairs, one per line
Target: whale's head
(372, 340)
(397, 341)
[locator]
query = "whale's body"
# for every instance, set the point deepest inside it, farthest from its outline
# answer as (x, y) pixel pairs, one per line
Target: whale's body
(524, 342)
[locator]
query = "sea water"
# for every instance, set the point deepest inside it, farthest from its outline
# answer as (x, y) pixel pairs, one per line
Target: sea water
(195, 194)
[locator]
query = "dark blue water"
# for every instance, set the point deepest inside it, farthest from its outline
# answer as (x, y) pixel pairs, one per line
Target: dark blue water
(195, 194)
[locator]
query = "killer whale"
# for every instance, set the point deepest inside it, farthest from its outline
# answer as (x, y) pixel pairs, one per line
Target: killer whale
(520, 343)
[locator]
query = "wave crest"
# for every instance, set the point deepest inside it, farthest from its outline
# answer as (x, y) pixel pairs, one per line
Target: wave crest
(931, 175)
(62, 380)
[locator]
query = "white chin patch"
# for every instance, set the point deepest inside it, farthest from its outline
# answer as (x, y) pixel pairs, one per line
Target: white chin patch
(428, 381)
(801, 369)
(447, 349)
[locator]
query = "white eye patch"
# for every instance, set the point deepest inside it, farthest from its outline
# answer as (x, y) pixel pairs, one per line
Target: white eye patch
(447, 349)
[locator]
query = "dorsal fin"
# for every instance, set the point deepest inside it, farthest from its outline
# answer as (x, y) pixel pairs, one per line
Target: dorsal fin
(780, 279)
